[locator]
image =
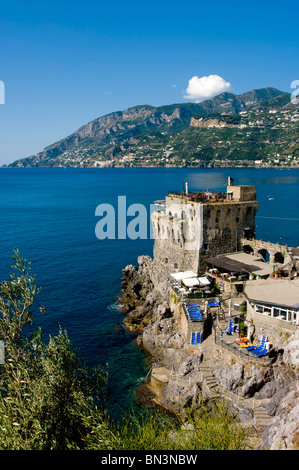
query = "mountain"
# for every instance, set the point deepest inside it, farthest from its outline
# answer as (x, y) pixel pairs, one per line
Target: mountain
(142, 134)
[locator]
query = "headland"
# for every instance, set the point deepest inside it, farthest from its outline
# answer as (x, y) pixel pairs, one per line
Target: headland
(218, 311)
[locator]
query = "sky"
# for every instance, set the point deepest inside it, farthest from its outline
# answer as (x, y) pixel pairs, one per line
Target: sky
(64, 63)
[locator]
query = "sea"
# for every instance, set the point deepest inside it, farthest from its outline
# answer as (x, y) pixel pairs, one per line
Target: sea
(51, 216)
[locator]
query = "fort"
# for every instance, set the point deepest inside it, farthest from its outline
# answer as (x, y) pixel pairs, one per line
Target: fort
(214, 304)
(213, 235)
(189, 227)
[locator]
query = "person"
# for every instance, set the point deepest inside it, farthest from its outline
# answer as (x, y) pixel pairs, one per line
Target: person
(221, 335)
(268, 345)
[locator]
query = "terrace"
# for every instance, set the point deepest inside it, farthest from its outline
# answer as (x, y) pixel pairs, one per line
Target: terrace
(202, 197)
(238, 345)
(239, 266)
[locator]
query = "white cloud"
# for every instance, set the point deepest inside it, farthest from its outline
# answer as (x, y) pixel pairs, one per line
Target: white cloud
(203, 88)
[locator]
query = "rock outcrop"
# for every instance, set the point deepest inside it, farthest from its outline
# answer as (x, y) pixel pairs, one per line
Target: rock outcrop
(209, 123)
(181, 377)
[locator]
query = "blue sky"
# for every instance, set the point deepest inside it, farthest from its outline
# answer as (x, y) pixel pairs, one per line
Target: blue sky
(65, 63)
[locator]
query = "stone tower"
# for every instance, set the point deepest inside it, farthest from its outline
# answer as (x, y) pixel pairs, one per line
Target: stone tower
(193, 226)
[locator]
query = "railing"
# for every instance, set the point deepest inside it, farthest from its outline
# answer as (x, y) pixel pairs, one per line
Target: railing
(242, 353)
(192, 295)
(200, 196)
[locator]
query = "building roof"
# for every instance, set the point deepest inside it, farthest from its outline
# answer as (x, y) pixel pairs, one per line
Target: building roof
(183, 275)
(241, 263)
(283, 292)
(295, 252)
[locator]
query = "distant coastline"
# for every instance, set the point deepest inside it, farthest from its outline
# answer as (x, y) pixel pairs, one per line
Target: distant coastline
(256, 129)
(228, 165)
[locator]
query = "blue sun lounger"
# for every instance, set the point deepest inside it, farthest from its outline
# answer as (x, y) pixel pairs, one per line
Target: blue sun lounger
(257, 348)
(193, 309)
(190, 305)
(263, 352)
(263, 342)
(195, 338)
(195, 317)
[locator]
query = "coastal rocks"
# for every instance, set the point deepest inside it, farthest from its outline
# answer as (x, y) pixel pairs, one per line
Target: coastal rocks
(229, 378)
(185, 376)
(177, 396)
(255, 381)
(291, 351)
(136, 298)
(284, 434)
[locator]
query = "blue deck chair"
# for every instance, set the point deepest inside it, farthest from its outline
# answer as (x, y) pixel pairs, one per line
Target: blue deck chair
(193, 338)
(230, 328)
(195, 313)
(260, 353)
(198, 338)
(257, 348)
(260, 348)
(194, 310)
(190, 305)
(196, 318)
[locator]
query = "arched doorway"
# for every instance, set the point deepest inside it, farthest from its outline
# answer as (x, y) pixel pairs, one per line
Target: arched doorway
(248, 249)
(264, 254)
(278, 258)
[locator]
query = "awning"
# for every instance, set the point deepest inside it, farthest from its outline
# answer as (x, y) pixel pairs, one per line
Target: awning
(191, 282)
(204, 281)
(183, 275)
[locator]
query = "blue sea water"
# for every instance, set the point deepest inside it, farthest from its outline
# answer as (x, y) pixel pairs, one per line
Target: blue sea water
(49, 215)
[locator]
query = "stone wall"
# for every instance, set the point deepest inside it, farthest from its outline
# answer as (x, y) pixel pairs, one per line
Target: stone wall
(188, 232)
(186, 327)
(175, 304)
(224, 227)
(273, 328)
(273, 249)
(178, 234)
(242, 193)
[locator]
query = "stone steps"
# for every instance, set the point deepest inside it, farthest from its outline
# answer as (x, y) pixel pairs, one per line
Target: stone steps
(206, 377)
(260, 414)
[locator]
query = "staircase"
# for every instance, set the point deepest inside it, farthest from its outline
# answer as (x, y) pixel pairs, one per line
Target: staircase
(260, 418)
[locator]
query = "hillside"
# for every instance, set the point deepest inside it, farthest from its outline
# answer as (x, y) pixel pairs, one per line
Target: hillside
(267, 125)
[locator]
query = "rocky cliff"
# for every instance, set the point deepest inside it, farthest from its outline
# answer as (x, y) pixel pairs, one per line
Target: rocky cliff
(264, 395)
(210, 123)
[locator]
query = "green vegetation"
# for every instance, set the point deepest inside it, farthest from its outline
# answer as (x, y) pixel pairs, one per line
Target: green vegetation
(233, 119)
(265, 128)
(50, 401)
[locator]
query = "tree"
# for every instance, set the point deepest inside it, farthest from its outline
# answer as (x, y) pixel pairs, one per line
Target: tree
(50, 401)
(46, 394)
